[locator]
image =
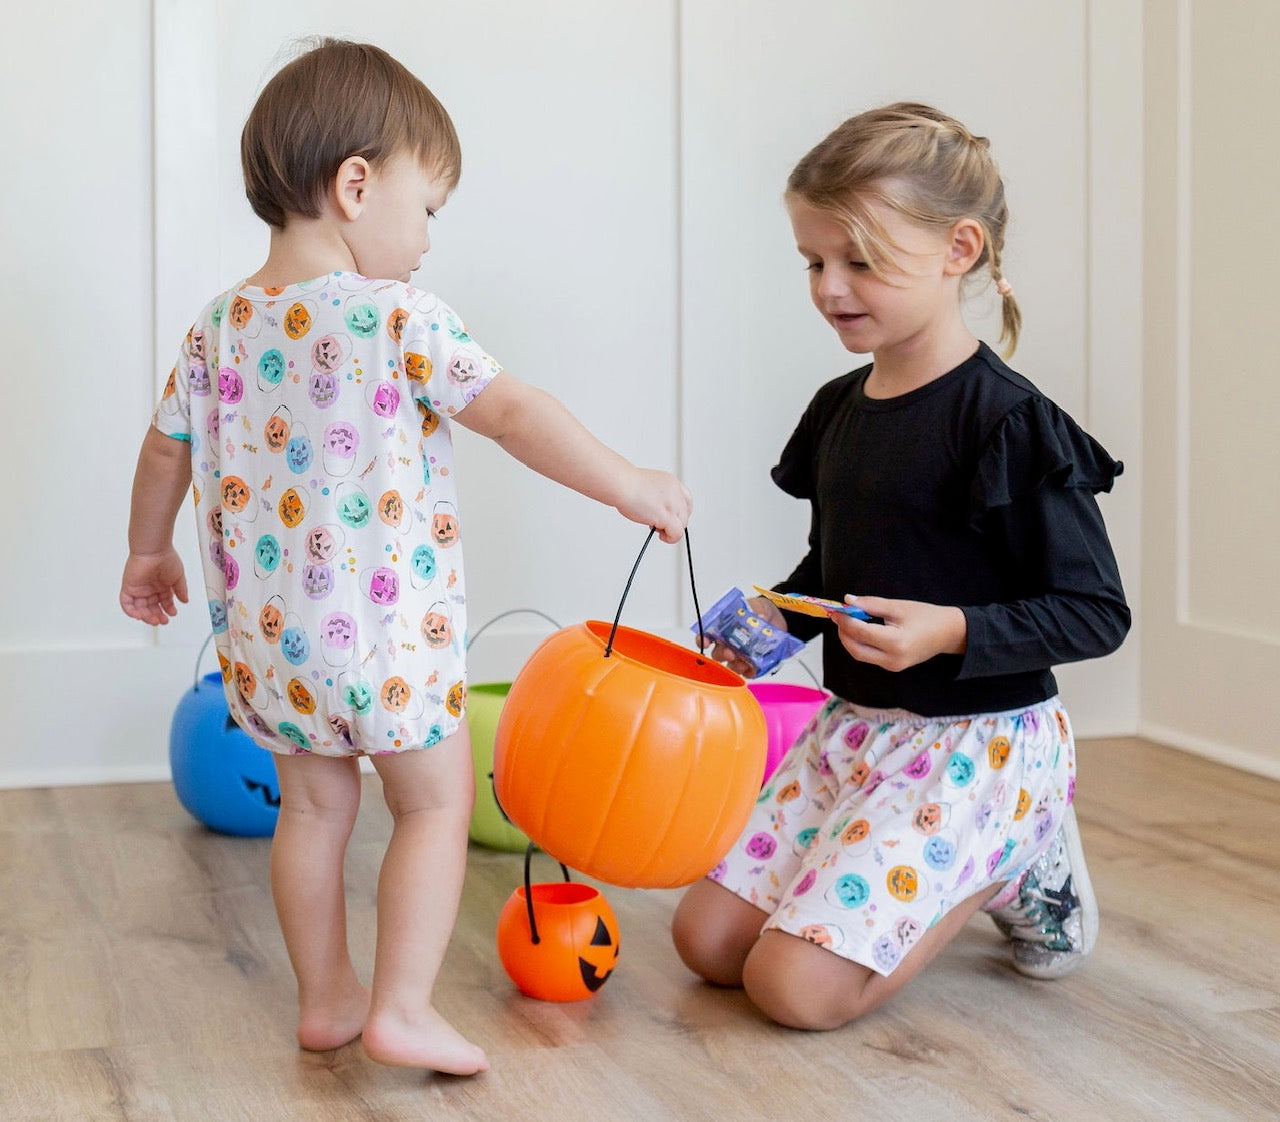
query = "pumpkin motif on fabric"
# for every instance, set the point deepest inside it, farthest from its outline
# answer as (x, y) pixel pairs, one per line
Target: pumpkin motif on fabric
(395, 694)
(998, 751)
(300, 696)
(270, 621)
(903, 882)
(456, 699)
(417, 367)
(297, 320)
(291, 508)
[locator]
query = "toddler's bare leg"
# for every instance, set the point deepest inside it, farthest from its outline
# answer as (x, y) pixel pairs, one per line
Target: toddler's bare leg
(430, 794)
(319, 797)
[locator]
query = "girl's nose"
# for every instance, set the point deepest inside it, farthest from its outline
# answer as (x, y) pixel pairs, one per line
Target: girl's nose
(831, 282)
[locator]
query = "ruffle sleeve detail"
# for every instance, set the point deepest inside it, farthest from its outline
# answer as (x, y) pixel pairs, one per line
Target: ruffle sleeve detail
(1038, 446)
(793, 472)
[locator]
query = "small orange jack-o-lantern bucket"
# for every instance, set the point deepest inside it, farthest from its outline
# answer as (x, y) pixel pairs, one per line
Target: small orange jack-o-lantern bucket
(557, 941)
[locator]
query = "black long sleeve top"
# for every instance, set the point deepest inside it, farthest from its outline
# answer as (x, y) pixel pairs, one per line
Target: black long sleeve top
(975, 491)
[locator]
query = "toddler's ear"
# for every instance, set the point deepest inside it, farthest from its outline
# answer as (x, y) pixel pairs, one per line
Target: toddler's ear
(966, 242)
(351, 185)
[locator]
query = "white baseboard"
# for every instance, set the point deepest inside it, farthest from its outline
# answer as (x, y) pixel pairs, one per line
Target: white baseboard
(1240, 758)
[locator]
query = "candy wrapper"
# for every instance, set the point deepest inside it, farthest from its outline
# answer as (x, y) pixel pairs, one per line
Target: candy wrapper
(731, 622)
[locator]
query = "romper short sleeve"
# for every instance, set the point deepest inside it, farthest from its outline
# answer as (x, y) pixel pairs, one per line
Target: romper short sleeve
(446, 368)
(1037, 446)
(189, 376)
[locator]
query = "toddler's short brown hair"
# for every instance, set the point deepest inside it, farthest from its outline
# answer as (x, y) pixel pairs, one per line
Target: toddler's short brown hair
(337, 100)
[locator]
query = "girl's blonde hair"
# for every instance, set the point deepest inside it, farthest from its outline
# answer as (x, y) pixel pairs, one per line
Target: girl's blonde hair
(337, 100)
(924, 165)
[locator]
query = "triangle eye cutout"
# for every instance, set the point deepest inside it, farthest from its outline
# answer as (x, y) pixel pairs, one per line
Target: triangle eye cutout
(601, 938)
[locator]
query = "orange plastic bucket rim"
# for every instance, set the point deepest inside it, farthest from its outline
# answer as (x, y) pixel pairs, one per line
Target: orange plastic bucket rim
(642, 648)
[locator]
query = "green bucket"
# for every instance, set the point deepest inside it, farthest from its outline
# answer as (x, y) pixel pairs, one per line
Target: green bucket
(489, 826)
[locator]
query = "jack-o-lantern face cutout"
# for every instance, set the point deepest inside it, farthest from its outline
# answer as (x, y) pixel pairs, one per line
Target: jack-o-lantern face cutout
(395, 323)
(395, 694)
(341, 729)
(577, 945)
(437, 627)
(300, 697)
(430, 419)
(235, 494)
(444, 525)
(297, 321)
(240, 313)
(271, 621)
(456, 699)
(998, 751)
(417, 367)
(597, 962)
(903, 882)
(291, 508)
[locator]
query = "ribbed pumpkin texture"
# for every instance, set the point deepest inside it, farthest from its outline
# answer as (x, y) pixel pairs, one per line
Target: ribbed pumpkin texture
(639, 769)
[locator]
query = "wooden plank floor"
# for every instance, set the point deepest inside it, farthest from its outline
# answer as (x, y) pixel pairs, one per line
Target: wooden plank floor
(142, 977)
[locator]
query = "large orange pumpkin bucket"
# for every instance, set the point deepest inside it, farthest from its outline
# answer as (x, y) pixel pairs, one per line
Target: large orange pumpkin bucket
(628, 757)
(557, 941)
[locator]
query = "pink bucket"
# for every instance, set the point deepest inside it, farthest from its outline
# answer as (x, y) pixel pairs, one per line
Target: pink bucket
(787, 709)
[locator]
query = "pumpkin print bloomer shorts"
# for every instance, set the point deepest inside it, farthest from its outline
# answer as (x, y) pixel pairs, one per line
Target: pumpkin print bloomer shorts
(877, 822)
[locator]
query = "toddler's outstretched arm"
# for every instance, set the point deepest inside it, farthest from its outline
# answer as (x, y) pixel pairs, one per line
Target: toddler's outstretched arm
(541, 433)
(153, 576)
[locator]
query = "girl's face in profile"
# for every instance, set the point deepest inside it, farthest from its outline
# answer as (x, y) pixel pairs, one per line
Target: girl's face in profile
(873, 312)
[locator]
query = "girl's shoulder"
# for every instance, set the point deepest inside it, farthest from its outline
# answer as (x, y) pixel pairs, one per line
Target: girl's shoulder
(1030, 443)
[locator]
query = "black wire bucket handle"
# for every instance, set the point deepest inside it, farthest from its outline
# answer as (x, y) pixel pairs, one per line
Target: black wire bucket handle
(693, 587)
(535, 938)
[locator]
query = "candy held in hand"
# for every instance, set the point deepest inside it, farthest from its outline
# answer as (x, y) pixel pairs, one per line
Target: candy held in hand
(731, 622)
(810, 605)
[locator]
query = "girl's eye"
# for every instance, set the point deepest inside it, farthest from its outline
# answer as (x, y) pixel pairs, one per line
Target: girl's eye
(814, 266)
(859, 266)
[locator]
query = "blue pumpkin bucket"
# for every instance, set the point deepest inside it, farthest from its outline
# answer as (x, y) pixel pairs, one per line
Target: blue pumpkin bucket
(220, 775)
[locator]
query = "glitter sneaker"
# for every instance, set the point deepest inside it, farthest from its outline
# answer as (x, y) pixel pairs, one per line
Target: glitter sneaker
(1052, 919)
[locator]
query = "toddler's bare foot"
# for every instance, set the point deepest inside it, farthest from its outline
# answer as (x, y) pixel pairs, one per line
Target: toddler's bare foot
(426, 1041)
(334, 1021)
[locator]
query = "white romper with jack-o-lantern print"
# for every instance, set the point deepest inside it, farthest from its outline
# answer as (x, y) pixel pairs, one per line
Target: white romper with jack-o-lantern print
(322, 469)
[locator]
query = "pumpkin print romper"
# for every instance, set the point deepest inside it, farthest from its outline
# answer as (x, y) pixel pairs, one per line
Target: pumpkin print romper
(318, 417)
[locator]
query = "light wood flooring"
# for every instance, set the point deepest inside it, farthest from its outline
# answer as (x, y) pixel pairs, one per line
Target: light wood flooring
(142, 977)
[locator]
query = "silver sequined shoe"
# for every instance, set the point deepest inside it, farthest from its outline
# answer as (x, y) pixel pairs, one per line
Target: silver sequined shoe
(1052, 923)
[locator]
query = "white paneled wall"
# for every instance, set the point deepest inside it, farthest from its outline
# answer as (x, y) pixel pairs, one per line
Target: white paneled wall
(617, 237)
